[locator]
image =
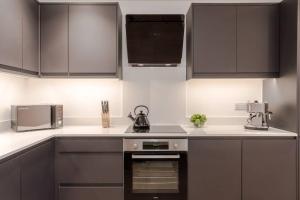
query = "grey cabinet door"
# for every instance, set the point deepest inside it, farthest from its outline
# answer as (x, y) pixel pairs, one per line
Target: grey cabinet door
(269, 169)
(30, 32)
(54, 39)
(214, 168)
(91, 193)
(93, 39)
(92, 168)
(258, 39)
(88, 160)
(214, 39)
(88, 145)
(11, 33)
(89, 168)
(37, 179)
(10, 180)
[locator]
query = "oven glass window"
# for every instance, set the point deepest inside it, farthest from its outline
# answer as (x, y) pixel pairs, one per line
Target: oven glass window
(155, 177)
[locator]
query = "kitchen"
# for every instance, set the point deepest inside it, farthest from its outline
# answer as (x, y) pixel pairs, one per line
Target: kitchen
(82, 160)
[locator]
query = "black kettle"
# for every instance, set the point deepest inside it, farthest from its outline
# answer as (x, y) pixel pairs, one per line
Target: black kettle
(141, 119)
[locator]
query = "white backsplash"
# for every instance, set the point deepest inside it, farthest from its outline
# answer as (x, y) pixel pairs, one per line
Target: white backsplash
(81, 97)
(12, 91)
(217, 97)
(170, 101)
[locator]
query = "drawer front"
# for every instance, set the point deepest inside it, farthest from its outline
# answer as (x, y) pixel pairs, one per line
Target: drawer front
(90, 193)
(99, 168)
(89, 145)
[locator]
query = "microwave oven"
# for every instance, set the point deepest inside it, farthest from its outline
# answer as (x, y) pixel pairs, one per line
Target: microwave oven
(36, 117)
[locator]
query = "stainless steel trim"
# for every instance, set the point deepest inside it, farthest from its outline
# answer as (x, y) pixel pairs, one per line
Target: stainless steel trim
(29, 128)
(153, 64)
(131, 145)
(155, 156)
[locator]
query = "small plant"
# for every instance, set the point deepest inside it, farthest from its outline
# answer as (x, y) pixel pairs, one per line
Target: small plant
(198, 120)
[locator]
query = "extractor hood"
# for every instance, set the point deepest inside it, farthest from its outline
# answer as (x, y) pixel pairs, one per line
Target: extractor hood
(154, 40)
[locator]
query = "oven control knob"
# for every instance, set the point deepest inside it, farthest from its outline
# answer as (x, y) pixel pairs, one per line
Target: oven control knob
(135, 146)
(175, 146)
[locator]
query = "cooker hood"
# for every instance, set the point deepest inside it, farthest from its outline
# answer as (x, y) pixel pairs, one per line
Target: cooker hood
(154, 40)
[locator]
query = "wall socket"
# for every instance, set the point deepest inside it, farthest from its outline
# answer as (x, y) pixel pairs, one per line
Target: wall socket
(241, 106)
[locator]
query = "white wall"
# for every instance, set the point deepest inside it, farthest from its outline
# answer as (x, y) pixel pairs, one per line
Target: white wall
(164, 90)
(170, 101)
(81, 97)
(217, 97)
(12, 91)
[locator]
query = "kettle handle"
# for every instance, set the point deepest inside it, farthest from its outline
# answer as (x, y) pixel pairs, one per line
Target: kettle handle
(141, 106)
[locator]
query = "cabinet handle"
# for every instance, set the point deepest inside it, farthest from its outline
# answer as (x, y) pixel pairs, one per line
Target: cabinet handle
(156, 156)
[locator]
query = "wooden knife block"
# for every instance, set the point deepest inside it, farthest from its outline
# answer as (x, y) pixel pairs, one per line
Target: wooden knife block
(105, 120)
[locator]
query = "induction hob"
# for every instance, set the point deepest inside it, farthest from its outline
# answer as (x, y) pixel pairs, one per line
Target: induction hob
(158, 129)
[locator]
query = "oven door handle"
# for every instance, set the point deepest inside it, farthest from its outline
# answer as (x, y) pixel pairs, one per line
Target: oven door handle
(177, 156)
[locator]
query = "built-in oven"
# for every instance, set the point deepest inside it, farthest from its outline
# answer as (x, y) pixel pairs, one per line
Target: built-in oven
(155, 169)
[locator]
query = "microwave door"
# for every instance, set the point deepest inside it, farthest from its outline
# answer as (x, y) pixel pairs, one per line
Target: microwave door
(34, 117)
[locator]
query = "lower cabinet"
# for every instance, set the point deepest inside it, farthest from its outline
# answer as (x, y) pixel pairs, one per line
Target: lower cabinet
(92, 169)
(29, 175)
(37, 173)
(10, 186)
(89, 169)
(91, 193)
(214, 168)
(269, 169)
(247, 169)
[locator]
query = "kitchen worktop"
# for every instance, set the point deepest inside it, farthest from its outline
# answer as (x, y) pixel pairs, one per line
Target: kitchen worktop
(235, 131)
(12, 142)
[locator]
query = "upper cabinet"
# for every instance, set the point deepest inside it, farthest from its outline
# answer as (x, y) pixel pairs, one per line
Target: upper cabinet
(11, 34)
(215, 41)
(81, 40)
(257, 39)
(30, 33)
(19, 49)
(61, 40)
(54, 39)
(232, 41)
(93, 39)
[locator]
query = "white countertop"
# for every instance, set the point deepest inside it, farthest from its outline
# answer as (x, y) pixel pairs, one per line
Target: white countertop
(235, 131)
(12, 142)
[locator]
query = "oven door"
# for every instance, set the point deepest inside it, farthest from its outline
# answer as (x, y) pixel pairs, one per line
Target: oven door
(155, 176)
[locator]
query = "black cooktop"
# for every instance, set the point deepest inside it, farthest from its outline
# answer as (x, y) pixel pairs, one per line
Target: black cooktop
(158, 129)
